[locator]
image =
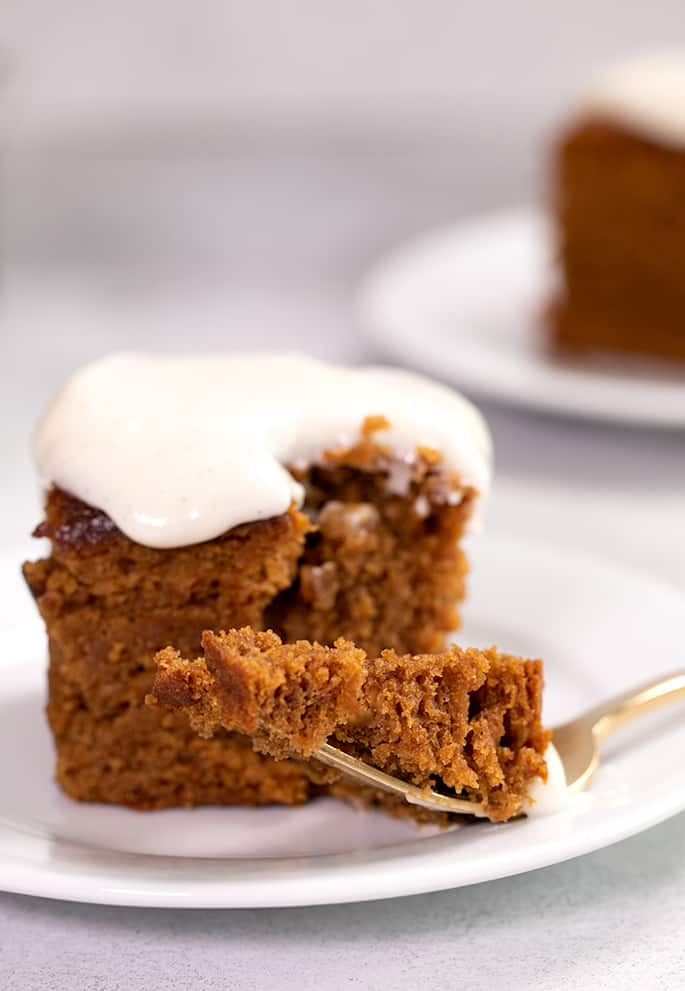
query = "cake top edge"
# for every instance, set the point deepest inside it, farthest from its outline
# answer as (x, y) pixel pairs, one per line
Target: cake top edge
(644, 94)
(178, 449)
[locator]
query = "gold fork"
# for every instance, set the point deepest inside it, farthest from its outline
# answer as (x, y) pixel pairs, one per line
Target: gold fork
(577, 743)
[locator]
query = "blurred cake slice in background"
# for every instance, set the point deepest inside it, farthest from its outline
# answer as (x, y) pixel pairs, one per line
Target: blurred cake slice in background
(619, 212)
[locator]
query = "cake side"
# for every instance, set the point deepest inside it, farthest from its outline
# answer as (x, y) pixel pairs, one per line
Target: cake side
(619, 209)
(108, 605)
(466, 719)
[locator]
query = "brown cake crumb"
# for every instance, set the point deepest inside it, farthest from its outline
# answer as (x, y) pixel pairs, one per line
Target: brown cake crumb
(465, 720)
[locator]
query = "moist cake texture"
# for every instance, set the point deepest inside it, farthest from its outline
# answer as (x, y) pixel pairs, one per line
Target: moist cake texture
(619, 214)
(370, 551)
(466, 720)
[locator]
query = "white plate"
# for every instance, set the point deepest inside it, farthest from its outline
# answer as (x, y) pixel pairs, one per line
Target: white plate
(600, 628)
(464, 303)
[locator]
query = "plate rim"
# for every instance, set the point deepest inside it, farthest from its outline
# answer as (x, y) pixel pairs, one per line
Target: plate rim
(336, 878)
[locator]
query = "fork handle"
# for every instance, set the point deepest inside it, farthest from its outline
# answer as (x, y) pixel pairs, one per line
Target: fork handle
(614, 713)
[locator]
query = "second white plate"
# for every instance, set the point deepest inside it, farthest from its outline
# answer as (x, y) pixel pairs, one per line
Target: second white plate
(599, 628)
(463, 303)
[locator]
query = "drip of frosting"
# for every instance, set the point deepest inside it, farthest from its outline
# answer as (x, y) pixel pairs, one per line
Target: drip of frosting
(646, 95)
(179, 449)
(552, 795)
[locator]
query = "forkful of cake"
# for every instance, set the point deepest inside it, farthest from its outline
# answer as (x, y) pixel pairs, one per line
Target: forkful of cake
(453, 733)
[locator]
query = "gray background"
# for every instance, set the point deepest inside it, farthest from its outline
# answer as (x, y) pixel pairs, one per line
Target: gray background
(229, 171)
(311, 64)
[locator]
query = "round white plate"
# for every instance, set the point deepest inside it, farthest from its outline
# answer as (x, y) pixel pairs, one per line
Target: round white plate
(464, 303)
(600, 629)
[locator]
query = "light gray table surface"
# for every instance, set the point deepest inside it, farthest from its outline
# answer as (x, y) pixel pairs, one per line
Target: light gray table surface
(268, 247)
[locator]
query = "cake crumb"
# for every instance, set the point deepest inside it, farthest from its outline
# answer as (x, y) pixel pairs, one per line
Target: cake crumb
(466, 720)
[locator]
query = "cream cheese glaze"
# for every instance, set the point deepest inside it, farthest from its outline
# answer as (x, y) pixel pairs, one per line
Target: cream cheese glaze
(645, 95)
(550, 796)
(179, 449)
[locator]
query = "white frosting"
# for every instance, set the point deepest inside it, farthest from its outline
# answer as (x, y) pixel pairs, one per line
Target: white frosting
(645, 95)
(177, 450)
(551, 796)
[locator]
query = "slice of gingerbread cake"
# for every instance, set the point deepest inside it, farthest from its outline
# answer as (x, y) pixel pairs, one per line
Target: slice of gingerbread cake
(465, 721)
(618, 204)
(275, 491)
